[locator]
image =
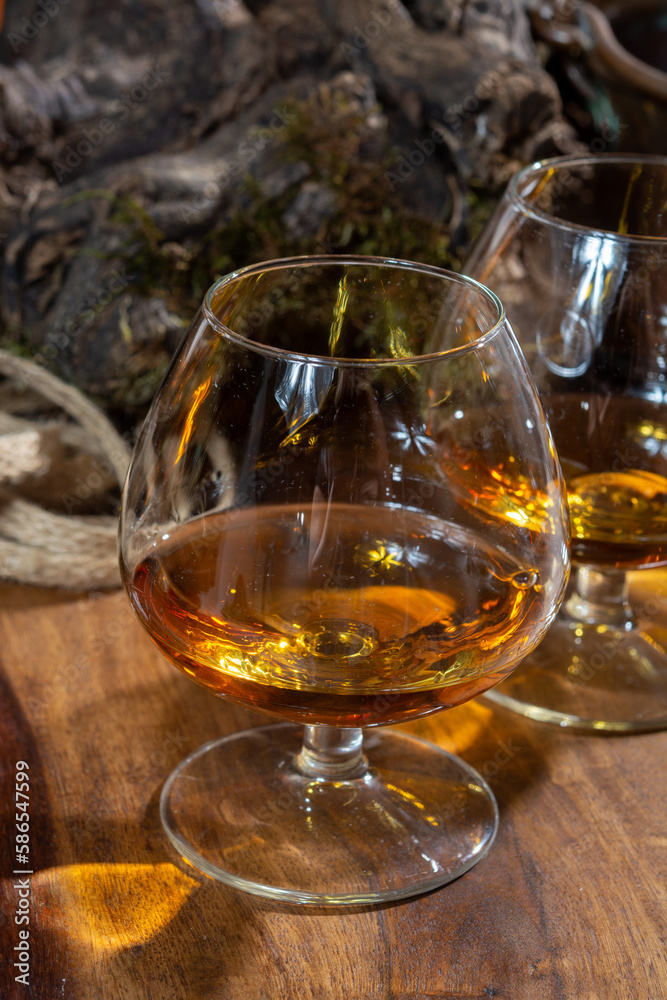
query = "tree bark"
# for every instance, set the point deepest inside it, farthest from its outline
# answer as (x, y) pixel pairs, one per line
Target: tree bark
(133, 137)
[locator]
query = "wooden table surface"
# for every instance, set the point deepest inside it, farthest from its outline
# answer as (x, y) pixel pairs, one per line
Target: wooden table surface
(570, 903)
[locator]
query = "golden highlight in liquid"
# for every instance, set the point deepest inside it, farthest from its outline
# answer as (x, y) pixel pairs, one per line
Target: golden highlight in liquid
(624, 511)
(613, 451)
(337, 614)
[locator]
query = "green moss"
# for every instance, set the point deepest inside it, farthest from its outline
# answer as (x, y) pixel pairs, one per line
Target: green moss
(137, 389)
(16, 340)
(331, 133)
(345, 153)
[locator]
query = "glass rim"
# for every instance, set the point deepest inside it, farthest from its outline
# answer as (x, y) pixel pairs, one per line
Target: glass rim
(590, 159)
(313, 260)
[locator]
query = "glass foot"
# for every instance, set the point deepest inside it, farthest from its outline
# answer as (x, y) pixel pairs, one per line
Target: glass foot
(596, 677)
(240, 811)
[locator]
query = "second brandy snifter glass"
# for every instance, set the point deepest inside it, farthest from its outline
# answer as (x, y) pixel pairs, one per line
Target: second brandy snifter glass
(577, 251)
(344, 510)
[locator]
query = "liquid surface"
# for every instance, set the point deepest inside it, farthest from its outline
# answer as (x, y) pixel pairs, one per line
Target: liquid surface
(352, 615)
(613, 451)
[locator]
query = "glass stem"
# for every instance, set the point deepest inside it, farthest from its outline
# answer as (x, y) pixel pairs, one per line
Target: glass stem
(332, 752)
(600, 597)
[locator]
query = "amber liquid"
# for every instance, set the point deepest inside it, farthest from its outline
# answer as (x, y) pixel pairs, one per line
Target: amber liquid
(338, 614)
(613, 451)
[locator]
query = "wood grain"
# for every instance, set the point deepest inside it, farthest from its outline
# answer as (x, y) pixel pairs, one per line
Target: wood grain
(569, 904)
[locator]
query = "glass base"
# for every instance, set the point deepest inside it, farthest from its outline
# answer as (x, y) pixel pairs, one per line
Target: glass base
(240, 811)
(595, 677)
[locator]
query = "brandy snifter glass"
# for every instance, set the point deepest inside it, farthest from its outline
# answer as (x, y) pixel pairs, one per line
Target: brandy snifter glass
(344, 510)
(577, 251)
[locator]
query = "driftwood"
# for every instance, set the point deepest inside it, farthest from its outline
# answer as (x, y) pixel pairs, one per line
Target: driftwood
(128, 138)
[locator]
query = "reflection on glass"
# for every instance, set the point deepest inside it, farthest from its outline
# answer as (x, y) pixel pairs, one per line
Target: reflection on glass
(577, 250)
(326, 524)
